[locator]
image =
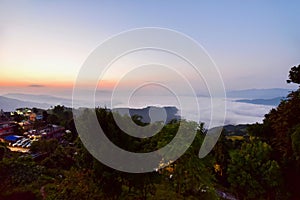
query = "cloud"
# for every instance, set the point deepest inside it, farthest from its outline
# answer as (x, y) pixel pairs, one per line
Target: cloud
(36, 85)
(105, 91)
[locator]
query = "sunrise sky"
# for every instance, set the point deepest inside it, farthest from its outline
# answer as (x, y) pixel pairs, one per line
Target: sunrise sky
(43, 44)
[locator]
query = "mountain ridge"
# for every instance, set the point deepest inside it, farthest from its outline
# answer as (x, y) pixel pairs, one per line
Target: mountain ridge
(268, 102)
(267, 93)
(10, 104)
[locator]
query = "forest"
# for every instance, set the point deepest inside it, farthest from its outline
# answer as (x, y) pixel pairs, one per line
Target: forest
(262, 162)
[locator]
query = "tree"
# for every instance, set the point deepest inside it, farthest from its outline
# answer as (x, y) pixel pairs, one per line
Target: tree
(76, 185)
(58, 109)
(221, 156)
(294, 75)
(18, 172)
(296, 142)
(251, 172)
(280, 130)
(190, 175)
(45, 115)
(35, 110)
(17, 117)
(52, 119)
(140, 186)
(44, 146)
(61, 158)
(3, 150)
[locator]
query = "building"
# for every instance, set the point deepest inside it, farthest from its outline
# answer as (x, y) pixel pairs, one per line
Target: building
(7, 128)
(35, 117)
(26, 125)
(32, 117)
(12, 138)
(52, 131)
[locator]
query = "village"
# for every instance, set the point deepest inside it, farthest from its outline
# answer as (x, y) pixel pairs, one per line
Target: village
(19, 129)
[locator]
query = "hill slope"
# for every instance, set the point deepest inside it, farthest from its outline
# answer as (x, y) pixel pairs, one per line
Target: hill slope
(268, 102)
(10, 104)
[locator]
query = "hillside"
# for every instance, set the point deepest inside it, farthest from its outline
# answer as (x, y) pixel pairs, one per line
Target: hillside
(10, 104)
(258, 93)
(268, 102)
(156, 113)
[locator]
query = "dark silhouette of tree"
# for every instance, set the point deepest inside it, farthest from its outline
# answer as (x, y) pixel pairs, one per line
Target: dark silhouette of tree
(45, 115)
(44, 146)
(294, 75)
(3, 150)
(279, 129)
(53, 119)
(58, 109)
(35, 110)
(17, 117)
(296, 142)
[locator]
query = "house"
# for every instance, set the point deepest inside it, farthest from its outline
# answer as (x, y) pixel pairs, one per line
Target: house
(26, 125)
(52, 131)
(39, 117)
(23, 111)
(7, 128)
(48, 132)
(35, 117)
(32, 117)
(12, 138)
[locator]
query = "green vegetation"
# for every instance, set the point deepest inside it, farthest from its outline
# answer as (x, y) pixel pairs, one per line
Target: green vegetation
(267, 165)
(258, 161)
(66, 170)
(251, 172)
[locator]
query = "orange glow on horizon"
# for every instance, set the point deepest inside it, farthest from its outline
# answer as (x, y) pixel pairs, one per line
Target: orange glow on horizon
(35, 84)
(107, 84)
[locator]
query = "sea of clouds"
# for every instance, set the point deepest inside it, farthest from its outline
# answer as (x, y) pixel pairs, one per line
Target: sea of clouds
(197, 109)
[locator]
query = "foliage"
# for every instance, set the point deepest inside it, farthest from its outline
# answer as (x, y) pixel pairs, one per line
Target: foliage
(45, 146)
(59, 115)
(294, 75)
(76, 185)
(296, 142)
(3, 150)
(16, 173)
(251, 172)
(61, 158)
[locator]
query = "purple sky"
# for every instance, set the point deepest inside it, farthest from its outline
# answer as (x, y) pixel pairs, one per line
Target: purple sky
(43, 44)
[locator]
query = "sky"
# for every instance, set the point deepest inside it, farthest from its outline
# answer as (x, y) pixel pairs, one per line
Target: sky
(43, 44)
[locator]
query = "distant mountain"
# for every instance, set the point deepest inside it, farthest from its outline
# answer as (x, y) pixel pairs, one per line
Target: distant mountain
(240, 129)
(258, 93)
(232, 130)
(52, 100)
(268, 102)
(156, 113)
(10, 104)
